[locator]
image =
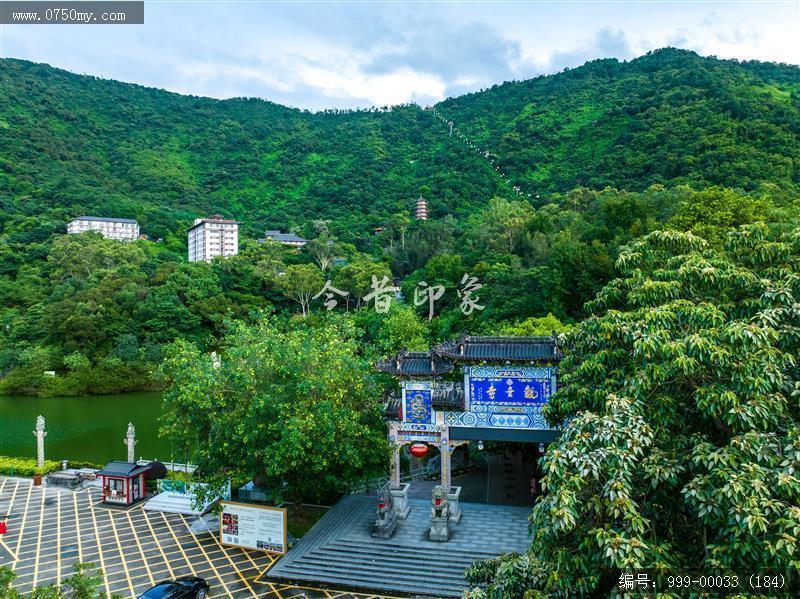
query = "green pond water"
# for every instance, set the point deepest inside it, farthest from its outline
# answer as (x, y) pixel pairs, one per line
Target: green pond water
(89, 428)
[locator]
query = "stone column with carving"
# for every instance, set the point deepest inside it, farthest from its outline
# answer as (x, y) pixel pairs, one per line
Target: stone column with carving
(395, 466)
(398, 490)
(444, 452)
(130, 441)
(40, 435)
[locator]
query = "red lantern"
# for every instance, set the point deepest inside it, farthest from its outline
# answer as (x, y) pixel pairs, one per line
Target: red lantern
(419, 450)
(2, 527)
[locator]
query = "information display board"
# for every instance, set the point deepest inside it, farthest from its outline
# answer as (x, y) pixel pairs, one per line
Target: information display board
(253, 527)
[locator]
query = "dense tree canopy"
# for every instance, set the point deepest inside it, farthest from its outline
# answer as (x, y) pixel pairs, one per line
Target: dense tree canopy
(289, 403)
(600, 155)
(682, 446)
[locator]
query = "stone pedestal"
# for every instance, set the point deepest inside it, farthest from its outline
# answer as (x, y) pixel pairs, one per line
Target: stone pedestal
(455, 506)
(400, 500)
(440, 530)
(385, 524)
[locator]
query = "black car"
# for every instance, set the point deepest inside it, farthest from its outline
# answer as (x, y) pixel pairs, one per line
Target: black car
(187, 587)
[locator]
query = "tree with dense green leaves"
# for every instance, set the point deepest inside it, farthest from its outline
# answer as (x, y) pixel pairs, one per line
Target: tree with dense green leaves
(356, 278)
(323, 249)
(82, 584)
(500, 227)
(301, 282)
(682, 440)
(401, 329)
(291, 404)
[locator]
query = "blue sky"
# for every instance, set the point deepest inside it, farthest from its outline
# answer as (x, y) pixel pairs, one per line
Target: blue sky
(353, 54)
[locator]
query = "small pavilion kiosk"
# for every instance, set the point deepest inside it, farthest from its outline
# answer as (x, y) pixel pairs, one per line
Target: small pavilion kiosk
(123, 483)
(506, 383)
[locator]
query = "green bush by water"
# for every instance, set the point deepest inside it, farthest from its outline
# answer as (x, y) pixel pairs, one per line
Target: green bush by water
(27, 466)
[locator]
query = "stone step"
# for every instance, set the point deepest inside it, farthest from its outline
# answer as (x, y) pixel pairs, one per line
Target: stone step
(472, 554)
(389, 564)
(389, 581)
(432, 555)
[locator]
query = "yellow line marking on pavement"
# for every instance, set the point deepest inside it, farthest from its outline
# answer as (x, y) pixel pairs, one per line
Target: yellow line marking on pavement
(39, 538)
(77, 527)
(7, 548)
(8, 513)
(208, 560)
(58, 539)
(178, 543)
(22, 527)
(158, 544)
(13, 498)
(99, 546)
(244, 580)
(141, 552)
(121, 554)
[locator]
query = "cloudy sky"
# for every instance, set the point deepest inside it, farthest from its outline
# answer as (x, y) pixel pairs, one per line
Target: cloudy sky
(353, 54)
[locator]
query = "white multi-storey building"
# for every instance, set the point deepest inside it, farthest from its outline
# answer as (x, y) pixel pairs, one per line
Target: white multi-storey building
(211, 237)
(121, 229)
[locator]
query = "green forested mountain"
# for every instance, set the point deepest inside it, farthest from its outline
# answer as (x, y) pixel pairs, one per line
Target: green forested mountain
(668, 117)
(601, 154)
(73, 144)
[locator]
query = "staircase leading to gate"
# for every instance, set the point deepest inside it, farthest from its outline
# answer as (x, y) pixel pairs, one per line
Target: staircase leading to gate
(340, 550)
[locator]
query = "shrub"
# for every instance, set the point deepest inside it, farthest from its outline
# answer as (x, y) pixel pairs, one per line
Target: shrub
(25, 466)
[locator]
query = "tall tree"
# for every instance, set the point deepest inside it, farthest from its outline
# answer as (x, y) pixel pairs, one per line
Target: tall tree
(323, 250)
(292, 404)
(301, 282)
(682, 443)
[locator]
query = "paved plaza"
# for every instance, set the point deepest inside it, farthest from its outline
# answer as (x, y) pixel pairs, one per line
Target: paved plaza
(50, 529)
(340, 549)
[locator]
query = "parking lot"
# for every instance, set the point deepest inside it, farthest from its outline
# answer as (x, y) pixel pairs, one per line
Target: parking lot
(50, 529)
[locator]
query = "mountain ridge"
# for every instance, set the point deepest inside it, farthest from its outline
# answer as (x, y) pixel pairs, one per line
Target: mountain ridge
(81, 144)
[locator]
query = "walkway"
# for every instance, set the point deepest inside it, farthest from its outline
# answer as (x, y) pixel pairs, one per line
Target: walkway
(50, 529)
(502, 479)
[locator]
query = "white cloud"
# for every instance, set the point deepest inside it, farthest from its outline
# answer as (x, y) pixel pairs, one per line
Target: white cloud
(316, 55)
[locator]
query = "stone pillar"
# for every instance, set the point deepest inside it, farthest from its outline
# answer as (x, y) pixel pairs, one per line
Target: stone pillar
(444, 452)
(130, 441)
(454, 503)
(395, 467)
(40, 435)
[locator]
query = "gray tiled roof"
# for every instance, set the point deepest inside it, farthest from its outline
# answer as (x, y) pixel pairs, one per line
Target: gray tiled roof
(448, 396)
(122, 469)
(391, 408)
(415, 364)
(105, 219)
(501, 348)
(284, 237)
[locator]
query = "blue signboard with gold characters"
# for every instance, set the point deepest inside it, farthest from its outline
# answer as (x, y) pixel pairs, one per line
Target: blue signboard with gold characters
(417, 408)
(509, 385)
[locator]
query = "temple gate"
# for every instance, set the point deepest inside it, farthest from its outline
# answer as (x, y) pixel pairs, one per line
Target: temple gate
(506, 383)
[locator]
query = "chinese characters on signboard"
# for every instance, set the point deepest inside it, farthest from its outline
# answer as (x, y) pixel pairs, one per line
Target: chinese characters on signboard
(508, 386)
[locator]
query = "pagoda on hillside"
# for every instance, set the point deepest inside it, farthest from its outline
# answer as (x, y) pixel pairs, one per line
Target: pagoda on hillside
(421, 210)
